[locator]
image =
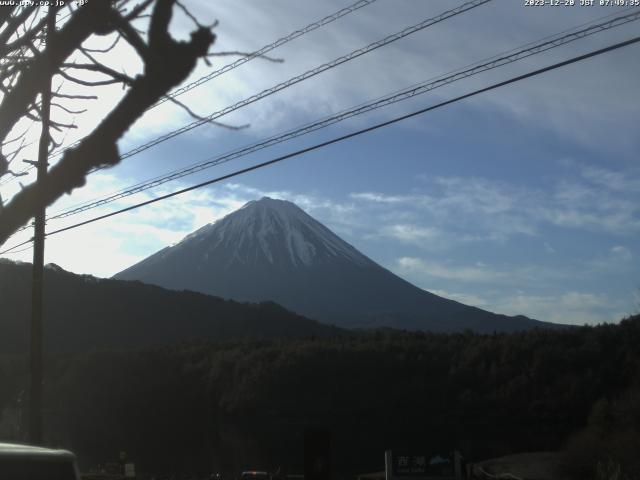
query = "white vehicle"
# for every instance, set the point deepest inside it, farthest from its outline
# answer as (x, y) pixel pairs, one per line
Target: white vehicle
(24, 462)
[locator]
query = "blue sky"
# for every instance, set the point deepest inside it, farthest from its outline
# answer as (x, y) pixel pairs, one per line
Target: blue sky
(524, 200)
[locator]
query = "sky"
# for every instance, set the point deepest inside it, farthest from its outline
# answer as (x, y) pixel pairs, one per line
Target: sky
(522, 200)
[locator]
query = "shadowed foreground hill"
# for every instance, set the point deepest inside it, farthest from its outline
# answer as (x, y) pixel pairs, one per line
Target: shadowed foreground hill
(220, 407)
(83, 312)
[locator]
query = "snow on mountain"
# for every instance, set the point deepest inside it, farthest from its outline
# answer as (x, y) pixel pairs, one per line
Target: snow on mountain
(271, 250)
(276, 230)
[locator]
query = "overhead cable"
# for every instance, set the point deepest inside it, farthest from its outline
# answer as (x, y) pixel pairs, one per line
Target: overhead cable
(230, 66)
(410, 92)
(308, 74)
(267, 48)
(355, 134)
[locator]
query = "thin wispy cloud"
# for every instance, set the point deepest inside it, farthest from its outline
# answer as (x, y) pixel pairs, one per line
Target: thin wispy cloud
(509, 210)
(449, 272)
(574, 308)
(435, 51)
(613, 180)
(411, 233)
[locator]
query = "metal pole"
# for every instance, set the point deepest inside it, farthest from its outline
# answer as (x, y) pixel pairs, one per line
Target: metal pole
(388, 465)
(36, 377)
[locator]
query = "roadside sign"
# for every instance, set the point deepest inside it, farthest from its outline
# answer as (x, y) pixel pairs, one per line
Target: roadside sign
(130, 470)
(422, 466)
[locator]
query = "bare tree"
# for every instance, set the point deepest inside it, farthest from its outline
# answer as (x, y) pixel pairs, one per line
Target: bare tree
(26, 63)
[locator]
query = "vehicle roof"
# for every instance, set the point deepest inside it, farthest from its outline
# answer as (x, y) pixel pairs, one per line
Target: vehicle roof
(13, 450)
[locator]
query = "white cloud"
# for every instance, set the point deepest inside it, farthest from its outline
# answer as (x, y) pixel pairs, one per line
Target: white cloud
(628, 181)
(621, 252)
(448, 272)
(570, 307)
(383, 198)
(411, 233)
(424, 271)
(411, 263)
(617, 260)
(486, 209)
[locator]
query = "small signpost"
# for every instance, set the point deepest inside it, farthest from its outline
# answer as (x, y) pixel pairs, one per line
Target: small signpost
(421, 466)
(130, 470)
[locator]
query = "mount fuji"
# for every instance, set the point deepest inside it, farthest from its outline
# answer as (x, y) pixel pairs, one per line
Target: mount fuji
(272, 250)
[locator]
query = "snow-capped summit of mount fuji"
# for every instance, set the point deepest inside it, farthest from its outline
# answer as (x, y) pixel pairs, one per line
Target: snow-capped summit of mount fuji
(272, 250)
(271, 231)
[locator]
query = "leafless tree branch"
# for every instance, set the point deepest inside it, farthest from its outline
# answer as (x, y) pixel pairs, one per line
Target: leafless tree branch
(132, 37)
(98, 67)
(105, 50)
(87, 83)
(167, 63)
(92, 18)
(198, 117)
(186, 11)
(135, 13)
(14, 22)
(68, 110)
(17, 174)
(25, 39)
(75, 97)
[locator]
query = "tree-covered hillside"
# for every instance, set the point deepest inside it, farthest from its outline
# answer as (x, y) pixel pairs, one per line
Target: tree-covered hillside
(82, 312)
(227, 406)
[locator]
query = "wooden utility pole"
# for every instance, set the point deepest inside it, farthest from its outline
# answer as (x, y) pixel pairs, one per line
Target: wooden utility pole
(36, 376)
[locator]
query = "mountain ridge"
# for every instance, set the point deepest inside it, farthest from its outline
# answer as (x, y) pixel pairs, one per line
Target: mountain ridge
(82, 312)
(272, 250)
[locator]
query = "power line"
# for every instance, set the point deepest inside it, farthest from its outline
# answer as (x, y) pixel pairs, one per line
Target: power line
(19, 251)
(304, 76)
(262, 51)
(267, 48)
(11, 249)
(410, 92)
(357, 133)
(308, 74)
(230, 66)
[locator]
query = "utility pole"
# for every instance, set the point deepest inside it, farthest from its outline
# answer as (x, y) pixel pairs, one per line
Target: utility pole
(36, 377)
